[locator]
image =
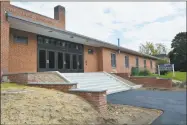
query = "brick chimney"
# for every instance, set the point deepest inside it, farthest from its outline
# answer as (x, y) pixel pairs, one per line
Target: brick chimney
(59, 14)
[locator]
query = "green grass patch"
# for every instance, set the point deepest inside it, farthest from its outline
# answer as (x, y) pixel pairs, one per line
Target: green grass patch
(178, 76)
(11, 86)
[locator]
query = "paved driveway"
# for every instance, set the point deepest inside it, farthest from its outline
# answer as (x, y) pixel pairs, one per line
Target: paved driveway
(173, 103)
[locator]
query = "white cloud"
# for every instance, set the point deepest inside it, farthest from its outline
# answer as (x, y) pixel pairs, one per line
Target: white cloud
(81, 17)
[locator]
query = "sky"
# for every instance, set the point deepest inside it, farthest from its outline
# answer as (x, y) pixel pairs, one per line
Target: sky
(132, 22)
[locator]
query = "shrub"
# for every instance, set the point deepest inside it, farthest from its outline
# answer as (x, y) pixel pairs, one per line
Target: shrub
(144, 72)
(163, 72)
(134, 71)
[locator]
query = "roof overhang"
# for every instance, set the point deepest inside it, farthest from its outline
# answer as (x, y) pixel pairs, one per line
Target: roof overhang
(28, 25)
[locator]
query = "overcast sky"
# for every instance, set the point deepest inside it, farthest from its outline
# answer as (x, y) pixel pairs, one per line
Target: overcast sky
(132, 22)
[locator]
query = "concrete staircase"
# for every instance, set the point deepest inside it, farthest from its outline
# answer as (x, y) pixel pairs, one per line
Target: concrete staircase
(97, 81)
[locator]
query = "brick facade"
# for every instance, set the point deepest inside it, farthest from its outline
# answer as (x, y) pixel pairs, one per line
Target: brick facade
(15, 57)
(100, 60)
(22, 57)
(97, 99)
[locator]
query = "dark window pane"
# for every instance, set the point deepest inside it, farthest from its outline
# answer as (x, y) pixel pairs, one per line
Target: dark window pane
(63, 44)
(21, 39)
(60, 60)
(137, 62)
(51, 59)
(69, 45)
(80, 62)
(127, 61)
(90, 51)
(42, 59)
(144, 63)
(40, 40)
(113, 60)
(67, 56)
(74, 62)
(151, 64)
(46, 41)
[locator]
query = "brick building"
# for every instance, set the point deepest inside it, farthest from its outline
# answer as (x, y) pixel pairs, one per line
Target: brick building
(31, 42)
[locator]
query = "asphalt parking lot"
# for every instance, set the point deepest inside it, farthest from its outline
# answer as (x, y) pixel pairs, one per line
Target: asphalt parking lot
(173, 103)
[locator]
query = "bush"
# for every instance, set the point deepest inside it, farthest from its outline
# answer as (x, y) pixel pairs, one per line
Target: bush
(163, 72)
(144, 72)
(134, 71)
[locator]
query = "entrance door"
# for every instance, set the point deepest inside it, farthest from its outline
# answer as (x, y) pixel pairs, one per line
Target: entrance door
(46, 60)
(42, 57)
(59, 55)
(60, 61)
(51, 60)
(80, 63)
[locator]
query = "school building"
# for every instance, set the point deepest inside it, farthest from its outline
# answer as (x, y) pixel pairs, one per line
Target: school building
(31, 42)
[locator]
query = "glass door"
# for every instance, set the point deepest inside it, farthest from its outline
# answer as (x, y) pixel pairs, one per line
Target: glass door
(80, 63)
(51, 60)
(60, 61)
(42, 65)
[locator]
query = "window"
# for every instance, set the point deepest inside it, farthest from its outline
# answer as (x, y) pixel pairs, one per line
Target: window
(67, 56)
(151, 64)
(60, 60)
(144, 63)
(21, 39)
(51, 59)
(42, 59)
(127, 61)
(113, 59)
(40, 40)
(137, 62)
(46, 41)
(90, 51)
(80, 62)
(74, 61)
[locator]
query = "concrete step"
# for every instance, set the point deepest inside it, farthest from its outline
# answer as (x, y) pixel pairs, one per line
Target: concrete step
(97, 81)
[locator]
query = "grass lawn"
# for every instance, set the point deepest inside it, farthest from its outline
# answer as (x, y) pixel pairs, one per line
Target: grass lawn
(11, 86)
(178, 76)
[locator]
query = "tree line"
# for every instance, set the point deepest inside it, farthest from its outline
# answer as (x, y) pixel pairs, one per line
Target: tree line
(177, 55)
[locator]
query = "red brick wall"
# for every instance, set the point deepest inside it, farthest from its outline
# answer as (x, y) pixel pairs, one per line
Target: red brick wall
(22, 57)
(104, 61)
(21, 78)
(4, 31)
(91, 60)
(9, 51)
(148, 81)
(97, 99)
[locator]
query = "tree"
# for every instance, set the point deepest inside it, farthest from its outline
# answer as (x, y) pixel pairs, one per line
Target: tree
(151, 49)
(178, 54)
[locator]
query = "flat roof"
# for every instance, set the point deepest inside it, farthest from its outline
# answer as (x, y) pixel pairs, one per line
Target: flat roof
(29, 25)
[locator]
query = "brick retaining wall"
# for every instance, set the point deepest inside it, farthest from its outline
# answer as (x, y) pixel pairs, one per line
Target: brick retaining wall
(37, 77)
(97, 99)
(147, 81)
(21, 78)
(59, 87)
